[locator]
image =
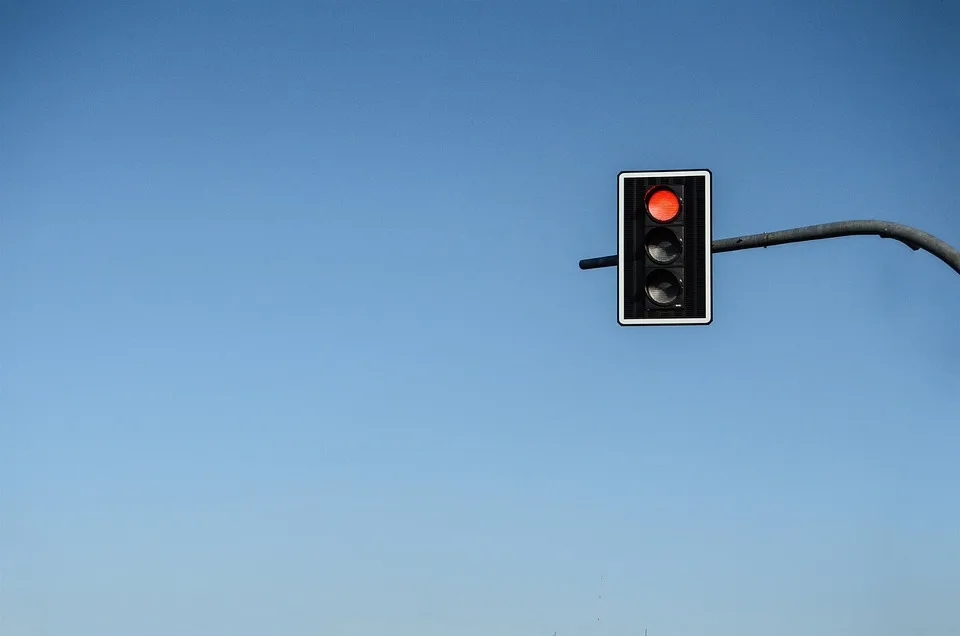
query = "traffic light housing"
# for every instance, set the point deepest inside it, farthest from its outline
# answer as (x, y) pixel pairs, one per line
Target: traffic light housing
(664, 255)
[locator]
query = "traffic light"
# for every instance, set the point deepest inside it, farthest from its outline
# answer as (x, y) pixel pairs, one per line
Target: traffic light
(664, 255)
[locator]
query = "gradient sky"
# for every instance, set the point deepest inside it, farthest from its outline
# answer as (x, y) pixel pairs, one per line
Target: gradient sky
(293, 338)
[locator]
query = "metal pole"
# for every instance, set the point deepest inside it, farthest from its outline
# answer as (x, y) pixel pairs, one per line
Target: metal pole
(913, 238)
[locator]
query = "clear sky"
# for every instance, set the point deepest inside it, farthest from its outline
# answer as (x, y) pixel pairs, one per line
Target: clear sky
(294, 339)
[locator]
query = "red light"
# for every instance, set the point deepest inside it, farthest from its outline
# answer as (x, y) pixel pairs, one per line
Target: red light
(663, 204)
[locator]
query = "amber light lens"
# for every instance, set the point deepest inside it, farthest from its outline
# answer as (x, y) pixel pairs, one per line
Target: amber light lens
(663, 204)
(662, 245)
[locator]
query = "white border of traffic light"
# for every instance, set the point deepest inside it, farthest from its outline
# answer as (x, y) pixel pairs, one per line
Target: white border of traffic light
(708, 222)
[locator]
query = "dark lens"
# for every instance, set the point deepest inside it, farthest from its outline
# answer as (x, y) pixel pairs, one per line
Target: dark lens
(663, 287)
(663, 245)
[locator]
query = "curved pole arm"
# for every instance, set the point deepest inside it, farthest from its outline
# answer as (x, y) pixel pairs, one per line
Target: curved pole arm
(913, 238)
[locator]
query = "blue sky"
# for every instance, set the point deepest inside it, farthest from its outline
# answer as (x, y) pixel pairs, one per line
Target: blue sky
(294, 339)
